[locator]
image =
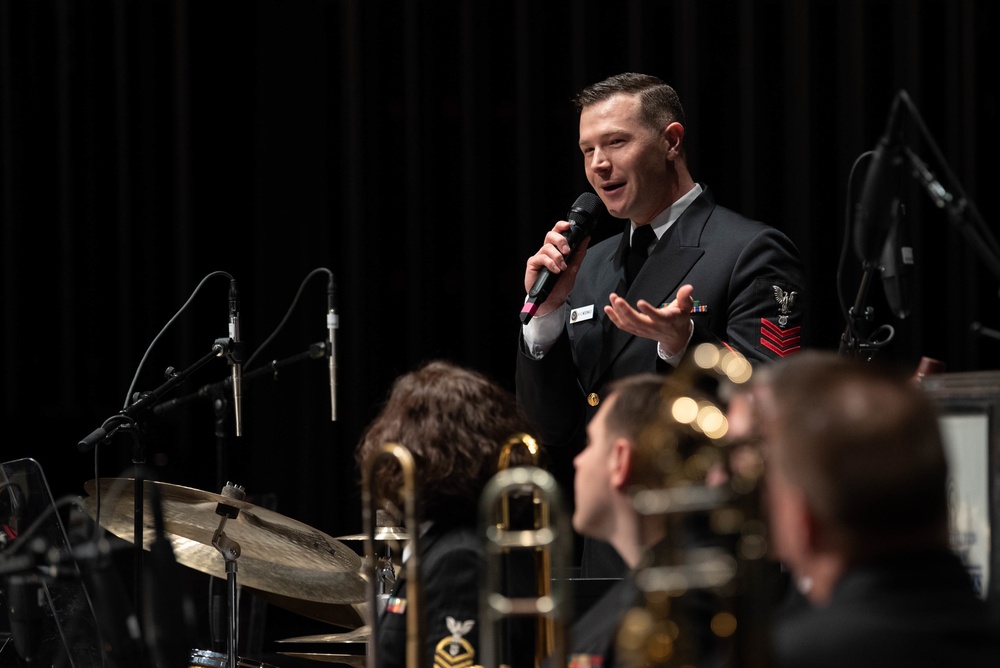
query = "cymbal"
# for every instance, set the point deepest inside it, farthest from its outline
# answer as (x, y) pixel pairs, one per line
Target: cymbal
(381, 533)
(277, 554)
(360, 634)
(355, 660)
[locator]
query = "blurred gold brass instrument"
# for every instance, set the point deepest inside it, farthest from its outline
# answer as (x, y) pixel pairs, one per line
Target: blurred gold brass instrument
(552, 605)
(414, 609)
(545, 631)
(530, 445)
(692, 476)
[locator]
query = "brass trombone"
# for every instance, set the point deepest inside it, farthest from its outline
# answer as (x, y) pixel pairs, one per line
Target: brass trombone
(686, 442)
(531, 446)
(552, 606)
(545, 628)
(414, 609)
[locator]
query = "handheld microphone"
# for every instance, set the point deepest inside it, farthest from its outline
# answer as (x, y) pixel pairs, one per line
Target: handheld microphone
(332, 323)
(236, 354)
(583, 217)
(874, 210)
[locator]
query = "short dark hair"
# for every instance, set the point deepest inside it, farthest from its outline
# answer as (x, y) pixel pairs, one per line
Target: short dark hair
(454, 422)
(863, 442)
(665, 451)
(637, 404)
(660, 103)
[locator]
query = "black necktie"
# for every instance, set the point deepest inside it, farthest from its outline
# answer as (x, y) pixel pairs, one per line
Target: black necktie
(642, 239)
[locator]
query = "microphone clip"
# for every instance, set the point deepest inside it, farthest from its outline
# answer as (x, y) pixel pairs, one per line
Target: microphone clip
(231, 349)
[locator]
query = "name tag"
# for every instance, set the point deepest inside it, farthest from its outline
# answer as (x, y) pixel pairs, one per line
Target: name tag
(581, 314)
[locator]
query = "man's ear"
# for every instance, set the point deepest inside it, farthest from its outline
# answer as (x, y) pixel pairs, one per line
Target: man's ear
(620, 461)
(673, 137)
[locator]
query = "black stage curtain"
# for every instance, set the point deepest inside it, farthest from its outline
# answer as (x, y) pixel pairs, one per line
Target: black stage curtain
(419, 151)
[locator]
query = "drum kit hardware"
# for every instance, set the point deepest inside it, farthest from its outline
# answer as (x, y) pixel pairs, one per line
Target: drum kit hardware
(385, 567)
(286, 562)
(209, 659)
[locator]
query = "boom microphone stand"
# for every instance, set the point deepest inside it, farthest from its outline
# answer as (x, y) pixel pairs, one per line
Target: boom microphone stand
(218, 394)
(852, 345)
(875, 210)
(126, 419)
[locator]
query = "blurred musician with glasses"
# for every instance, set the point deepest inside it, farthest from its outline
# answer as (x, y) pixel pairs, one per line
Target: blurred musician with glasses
(857, 500)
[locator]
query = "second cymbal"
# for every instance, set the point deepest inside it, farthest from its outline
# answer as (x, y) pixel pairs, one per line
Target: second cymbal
(381, 533)
(361, 634)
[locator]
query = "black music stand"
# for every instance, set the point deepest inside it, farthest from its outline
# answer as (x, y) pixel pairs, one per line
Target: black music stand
(38, 565)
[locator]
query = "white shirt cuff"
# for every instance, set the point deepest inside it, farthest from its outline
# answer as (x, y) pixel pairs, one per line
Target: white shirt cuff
(541, 332)
(674, 359)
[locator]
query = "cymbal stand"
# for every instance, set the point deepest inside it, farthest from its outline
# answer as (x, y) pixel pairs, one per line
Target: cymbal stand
(386, 578)
(230, 551)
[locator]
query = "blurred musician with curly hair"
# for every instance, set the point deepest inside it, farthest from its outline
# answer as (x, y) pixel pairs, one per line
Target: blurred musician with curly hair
(454, 421)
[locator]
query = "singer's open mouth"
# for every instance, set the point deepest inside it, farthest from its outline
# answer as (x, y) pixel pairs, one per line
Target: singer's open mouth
(612, 187)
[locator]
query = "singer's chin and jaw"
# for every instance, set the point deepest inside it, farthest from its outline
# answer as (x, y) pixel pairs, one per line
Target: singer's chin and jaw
(636, 169)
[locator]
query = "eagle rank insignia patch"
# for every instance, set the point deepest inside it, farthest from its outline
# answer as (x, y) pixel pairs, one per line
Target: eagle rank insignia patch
(785, 302)
(455, 651)
(778, 337)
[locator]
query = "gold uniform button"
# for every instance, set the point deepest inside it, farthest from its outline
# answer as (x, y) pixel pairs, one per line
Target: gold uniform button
(593, 399)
